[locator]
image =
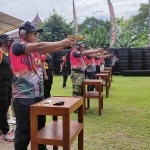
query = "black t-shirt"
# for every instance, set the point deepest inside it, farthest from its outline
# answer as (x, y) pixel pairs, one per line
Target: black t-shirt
(49, 61)
(5, 66)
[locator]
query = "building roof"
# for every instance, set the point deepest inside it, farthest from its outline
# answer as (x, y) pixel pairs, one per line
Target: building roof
(8, 23)
(37, 19)
(15, 35)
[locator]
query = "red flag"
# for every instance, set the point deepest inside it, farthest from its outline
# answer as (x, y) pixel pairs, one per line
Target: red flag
(113, 24)
(75, 20)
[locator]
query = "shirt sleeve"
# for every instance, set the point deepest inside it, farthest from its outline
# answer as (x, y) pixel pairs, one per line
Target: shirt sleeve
(43, 58)
(18, 48)
(77, 54)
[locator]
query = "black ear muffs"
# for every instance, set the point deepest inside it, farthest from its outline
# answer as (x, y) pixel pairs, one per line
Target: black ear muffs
(22, 31)
(78, 47)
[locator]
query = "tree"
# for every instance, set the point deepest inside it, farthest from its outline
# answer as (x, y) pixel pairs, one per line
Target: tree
(55, 28)
(139, 21)
(96, 32)
(98, 37)
(91, 23)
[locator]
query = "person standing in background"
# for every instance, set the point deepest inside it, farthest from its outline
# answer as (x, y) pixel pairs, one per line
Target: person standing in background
(48, 74)
(91, 69)
(113, 61)
(64, 70)
(6, 75)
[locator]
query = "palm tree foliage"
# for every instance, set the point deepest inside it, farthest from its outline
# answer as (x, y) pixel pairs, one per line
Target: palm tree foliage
(131, 32)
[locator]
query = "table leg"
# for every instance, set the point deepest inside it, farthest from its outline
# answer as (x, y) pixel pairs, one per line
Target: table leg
(66, 132)
(34, 130)
(80, 140)
(55, 147)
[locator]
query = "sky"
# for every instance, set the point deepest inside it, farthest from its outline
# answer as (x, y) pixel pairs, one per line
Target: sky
(26, 10)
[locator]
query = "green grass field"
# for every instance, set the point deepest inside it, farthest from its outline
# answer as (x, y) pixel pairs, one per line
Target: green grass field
(125, 120)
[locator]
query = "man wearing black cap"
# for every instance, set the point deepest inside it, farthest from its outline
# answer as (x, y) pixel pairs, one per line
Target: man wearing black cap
(25, 56)
(6, 75)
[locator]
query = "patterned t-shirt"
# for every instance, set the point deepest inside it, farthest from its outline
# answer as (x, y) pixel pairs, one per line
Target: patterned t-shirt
(28, 73)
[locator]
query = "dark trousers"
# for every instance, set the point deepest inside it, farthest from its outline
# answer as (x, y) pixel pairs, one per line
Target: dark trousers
(97, 69)
(113, 69)
(48, 84)
(65, 76)
(22, 112)
(91, 75)
(5, 99)
(85, 74)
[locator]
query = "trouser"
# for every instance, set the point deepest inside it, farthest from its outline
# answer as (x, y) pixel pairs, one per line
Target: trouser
(10, 112)
(5, 98)
(113, 69)
(65, 76)
(91, 75)
(22, 112)
(77, 79)
(97, 69)
(48, 84)
(85, 74)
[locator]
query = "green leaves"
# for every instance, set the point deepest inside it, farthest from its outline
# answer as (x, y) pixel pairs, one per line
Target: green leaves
(55, 28)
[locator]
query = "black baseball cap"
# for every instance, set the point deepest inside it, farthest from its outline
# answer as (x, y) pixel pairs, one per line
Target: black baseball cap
(29, 27)
(5, 38)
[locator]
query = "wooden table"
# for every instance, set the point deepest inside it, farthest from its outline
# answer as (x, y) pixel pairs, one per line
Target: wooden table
(98, 93)
(109, 76)
(58, 132)
(105, 78)
(109, 68)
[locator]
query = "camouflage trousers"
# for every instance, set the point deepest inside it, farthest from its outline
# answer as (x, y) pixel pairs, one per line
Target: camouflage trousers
(77, 79)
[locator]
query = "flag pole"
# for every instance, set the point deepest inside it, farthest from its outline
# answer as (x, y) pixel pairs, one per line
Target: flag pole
(75, 20)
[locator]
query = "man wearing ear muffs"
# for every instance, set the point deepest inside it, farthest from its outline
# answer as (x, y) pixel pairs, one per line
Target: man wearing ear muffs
(78, 66)
(26, 61)
(6, 75)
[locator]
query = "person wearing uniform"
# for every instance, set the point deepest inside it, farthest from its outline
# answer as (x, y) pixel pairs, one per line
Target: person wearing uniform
(6, 75)
(78, 67)
(64, 70)
(48, 74)
(25, 56)
(91, 68)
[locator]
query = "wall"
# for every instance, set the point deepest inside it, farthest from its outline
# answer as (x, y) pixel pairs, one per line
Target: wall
(129, 59)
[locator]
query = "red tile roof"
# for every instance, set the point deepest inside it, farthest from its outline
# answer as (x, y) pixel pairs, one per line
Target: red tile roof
(37, 19)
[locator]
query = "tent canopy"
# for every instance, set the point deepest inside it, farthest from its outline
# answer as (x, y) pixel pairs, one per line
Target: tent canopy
(8, 23)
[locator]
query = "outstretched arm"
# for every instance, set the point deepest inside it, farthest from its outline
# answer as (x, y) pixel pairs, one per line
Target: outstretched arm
(92, 51)
(47, 47)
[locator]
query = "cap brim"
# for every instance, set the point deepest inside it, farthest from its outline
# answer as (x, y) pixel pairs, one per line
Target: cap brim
(5, 40)
(36, 30)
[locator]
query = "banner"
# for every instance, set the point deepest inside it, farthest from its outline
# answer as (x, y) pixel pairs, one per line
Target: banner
(75, 20)
(113, 24)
